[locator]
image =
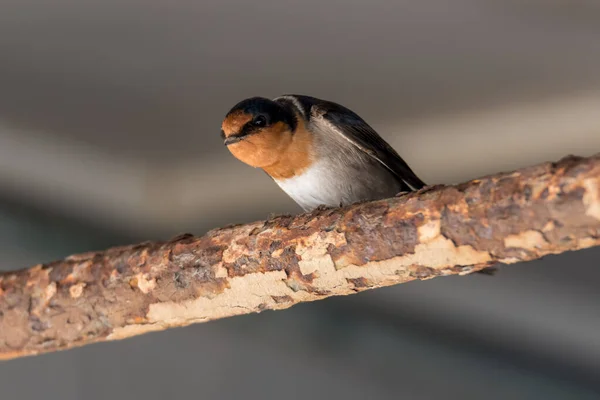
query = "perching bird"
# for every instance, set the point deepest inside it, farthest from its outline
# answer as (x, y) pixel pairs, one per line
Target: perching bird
(319, 152)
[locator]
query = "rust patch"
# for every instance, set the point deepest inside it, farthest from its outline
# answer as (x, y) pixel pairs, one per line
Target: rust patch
(77, 290)
(372, 234)
(358, 283)
(60, 272)
(244, 265)
(282, 299)
(241, 269)
(36, 324)
(422, 272)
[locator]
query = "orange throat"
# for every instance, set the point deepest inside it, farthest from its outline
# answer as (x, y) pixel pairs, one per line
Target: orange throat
(296, 158)
(275, 149)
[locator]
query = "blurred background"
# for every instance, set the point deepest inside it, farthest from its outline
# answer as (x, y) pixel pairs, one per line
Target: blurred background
(110, 114)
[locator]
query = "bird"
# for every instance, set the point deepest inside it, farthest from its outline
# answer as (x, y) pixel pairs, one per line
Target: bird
(320, 153)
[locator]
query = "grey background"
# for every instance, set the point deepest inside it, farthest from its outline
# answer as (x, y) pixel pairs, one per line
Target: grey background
(109, 120)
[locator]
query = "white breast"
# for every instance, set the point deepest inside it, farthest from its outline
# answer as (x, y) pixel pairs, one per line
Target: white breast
(316, 186)
(331, 183)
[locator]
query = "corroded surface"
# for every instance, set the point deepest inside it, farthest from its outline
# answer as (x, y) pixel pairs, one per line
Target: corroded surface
(273, 264)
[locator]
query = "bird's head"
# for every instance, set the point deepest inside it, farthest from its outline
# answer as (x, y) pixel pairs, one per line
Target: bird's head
(257, 131)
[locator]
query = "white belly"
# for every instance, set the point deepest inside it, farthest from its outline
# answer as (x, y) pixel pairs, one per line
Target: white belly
(313, 188)
(324, 184)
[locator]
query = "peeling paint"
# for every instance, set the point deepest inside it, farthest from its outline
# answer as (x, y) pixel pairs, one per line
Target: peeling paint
(314, 252)
(134, 330)
(77, 290)
(591, 199)
(245, 295)
(528, 240)
(144, 283)
(429, 231)
(274, 264)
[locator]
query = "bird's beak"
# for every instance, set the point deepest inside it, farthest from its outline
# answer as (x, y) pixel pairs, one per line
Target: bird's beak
(231, 140)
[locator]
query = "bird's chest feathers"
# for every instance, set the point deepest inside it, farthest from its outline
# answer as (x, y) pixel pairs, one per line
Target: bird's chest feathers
(296, 159)
(321, 183)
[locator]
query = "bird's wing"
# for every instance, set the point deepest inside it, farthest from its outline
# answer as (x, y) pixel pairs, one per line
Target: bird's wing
(354, 129)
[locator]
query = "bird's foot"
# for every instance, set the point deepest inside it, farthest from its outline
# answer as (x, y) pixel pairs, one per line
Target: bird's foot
(322, 207)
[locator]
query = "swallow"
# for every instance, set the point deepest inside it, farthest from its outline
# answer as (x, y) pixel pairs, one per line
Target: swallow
(319, 152)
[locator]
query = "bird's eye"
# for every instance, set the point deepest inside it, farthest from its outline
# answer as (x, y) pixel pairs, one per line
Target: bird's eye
(260, 120)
